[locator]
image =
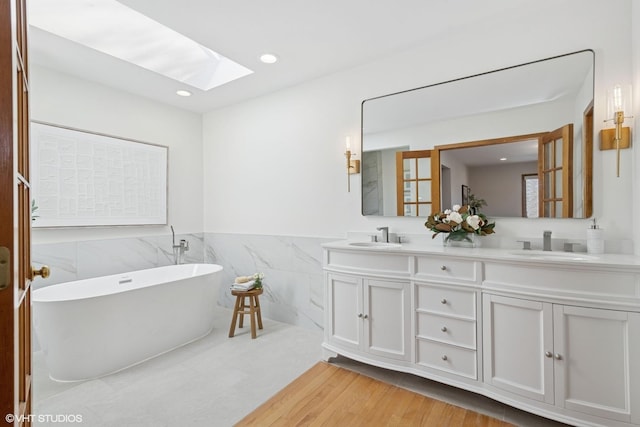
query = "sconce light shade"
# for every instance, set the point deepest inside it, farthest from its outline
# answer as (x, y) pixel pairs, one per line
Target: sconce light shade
(618, 104)
(618, 100)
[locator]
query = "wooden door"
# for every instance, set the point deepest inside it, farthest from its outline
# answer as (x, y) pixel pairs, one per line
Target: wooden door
(414, 184)
(555, 171)
(15, 217)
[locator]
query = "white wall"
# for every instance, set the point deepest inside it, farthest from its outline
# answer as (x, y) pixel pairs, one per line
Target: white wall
(635, 81)
(66, 101)
(275, 165)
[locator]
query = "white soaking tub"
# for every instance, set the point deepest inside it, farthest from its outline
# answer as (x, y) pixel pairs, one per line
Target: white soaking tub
(94, 327)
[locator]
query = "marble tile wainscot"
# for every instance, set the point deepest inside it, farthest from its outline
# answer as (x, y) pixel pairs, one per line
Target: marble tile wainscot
(292, 266)
(549, 333)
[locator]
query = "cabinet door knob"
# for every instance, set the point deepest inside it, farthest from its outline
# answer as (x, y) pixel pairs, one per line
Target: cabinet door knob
(443, 267)
(558, 356)
(548, 354)
(443, 300)
(366, 316)
(444, 357)
(443, 329)
(360, 315)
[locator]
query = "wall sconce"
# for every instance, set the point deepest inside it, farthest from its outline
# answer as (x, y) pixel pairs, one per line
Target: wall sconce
(353, 166)
(618, 101)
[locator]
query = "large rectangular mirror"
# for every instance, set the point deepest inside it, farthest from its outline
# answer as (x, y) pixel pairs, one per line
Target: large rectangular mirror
(516, 142)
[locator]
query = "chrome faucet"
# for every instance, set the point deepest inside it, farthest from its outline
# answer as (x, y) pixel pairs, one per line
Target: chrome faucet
(179, 250)
(385, 233)
(546, 240)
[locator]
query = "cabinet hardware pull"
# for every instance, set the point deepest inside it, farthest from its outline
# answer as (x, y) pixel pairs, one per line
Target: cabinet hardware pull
(558, 356)
(443, 267)
(443, 329)
(366, 316)
(444, 357)
(443, 300)
(548, 354)
(360, 315)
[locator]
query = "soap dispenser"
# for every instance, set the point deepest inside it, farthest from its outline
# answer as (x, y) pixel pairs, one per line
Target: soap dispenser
(595, 239)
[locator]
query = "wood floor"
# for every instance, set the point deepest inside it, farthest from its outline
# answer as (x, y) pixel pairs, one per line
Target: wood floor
(327, 395)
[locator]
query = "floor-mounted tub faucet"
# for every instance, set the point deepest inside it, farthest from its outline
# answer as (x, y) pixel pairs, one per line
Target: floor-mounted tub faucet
(546, 240)
(180, 249)
(385, 233)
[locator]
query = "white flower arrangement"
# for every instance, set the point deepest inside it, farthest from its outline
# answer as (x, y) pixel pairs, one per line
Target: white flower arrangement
(459, 221)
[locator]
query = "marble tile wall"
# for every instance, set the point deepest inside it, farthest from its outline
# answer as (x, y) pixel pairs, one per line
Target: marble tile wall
(292, 266)
(93, 258)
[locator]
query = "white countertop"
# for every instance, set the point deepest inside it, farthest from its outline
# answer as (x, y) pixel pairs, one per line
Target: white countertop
(631, 262)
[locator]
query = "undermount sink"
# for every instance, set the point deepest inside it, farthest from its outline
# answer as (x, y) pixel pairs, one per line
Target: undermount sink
(375, 244)
(571, 256)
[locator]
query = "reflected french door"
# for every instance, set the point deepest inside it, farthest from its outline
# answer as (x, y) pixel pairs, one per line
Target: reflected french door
(414, 183)
(555, 173)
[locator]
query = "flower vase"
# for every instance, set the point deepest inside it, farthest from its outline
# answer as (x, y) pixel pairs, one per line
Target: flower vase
(460, 240)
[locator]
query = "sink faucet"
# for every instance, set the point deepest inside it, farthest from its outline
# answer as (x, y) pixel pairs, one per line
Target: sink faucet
(385, 233)
(179, 250)
(546, 240)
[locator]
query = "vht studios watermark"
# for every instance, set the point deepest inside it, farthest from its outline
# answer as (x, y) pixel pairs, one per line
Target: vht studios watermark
(44, 418)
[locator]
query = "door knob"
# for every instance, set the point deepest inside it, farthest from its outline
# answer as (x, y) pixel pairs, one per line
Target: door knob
(44, 272)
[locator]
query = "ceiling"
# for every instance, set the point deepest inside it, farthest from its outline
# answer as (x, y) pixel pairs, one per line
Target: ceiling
(312, 38)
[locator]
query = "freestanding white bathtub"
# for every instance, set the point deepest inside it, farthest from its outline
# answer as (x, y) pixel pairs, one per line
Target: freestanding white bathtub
(94, 327)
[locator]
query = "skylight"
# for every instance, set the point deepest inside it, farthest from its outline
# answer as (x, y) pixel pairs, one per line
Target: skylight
(116, 30)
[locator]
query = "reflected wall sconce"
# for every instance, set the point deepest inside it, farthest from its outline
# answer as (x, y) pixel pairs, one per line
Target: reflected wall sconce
(618, 138)
(353, 166)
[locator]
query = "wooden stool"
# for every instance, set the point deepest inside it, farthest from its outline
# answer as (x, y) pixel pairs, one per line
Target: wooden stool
(241, 308)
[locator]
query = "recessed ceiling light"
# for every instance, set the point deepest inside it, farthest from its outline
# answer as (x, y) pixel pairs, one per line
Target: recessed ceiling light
(502, 159)
(268, 58)
(183, 92)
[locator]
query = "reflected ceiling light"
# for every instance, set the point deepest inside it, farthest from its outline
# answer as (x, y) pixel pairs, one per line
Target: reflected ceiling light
(110, 27)
(268, 58)
(182, 92)
(502, 159)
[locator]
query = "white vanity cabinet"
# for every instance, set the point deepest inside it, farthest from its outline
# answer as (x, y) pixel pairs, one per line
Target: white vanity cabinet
(580, 359)
(560, 339)
(369, 315)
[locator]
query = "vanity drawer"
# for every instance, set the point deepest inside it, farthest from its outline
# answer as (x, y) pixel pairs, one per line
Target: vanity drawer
(446, 268)
(447, 301)
(368, 262)
(447, 329)
(564, 280)
(449, 358)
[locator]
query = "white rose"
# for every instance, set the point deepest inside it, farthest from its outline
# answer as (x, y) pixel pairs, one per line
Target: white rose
(447, 211)
(455, 217)
(474, 221)
(456, 208)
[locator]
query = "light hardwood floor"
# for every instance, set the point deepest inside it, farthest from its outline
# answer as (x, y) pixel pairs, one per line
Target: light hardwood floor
(327, 395)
